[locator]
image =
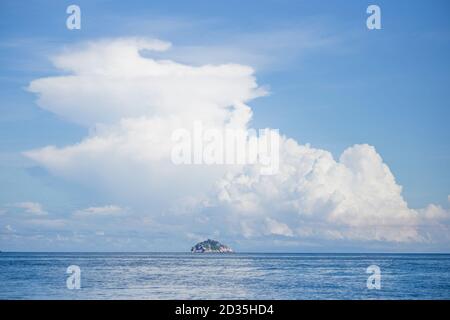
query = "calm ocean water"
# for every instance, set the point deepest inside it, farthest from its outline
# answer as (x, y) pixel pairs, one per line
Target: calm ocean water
(215, 276)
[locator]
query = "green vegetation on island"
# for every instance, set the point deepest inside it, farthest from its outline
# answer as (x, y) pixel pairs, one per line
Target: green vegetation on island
(210, 246)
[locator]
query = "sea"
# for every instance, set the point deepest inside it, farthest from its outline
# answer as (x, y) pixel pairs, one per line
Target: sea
(223, 276)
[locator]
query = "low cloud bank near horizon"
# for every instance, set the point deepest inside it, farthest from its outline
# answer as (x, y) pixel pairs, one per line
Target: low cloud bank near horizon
(131, 105)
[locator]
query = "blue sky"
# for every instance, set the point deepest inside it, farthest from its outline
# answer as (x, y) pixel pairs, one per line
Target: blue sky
(333, 83)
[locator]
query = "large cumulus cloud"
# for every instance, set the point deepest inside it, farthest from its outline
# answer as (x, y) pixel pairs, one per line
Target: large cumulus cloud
(132, 103)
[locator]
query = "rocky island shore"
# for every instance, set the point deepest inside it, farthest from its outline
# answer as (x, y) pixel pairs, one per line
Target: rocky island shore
(210, 246)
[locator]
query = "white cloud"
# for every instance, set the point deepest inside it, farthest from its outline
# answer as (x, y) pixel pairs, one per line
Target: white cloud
(132, 104)
(32, 207)
(278, 228)
(356, 197)
(105, 211)
(47, 223)
(112, 81)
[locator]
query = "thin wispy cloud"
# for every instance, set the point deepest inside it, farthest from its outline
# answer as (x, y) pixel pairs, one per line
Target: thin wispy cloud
(103, 211)
(34, 208)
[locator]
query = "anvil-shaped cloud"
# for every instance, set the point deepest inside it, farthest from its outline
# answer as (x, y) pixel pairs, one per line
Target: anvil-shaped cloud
(132, 103)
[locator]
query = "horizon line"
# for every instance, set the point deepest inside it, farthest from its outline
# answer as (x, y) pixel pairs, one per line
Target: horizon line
(230, 253)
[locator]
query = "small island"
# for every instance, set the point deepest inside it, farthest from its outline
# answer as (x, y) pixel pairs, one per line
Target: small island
(211, 246)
